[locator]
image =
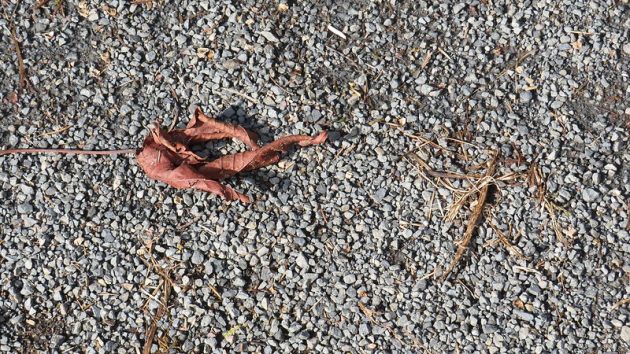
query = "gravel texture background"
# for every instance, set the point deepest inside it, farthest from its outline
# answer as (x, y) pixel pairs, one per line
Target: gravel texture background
(344, 246)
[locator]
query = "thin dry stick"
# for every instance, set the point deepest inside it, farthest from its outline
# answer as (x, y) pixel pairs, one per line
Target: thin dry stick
(66, 151)
(472, 221)
(459, 203)
(18, 52)
(366, 311)
(431, 206)
(505, 241)
(240, 94)
(57, 131)
(423, 139)
(438, 174)
(620, 303)
(168, 285)
(40, 3)
(175, 110)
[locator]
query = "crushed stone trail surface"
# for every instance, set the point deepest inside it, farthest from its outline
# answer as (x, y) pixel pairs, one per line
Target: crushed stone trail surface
(345, 244)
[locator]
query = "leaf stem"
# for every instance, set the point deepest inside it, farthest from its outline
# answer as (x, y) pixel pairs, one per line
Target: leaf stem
(66, 151)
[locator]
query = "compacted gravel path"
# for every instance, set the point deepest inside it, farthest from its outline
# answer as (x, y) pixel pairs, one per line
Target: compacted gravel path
(347, 245)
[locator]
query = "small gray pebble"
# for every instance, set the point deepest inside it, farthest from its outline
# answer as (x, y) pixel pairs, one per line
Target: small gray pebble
(349, 278)
(556, 104)
(25, 208)
(426, 89)
(526, 96)
(197, 258)
(524, 315)
(315, 115)
(596, 178)
(26, 189)
(301, 261)
(380, 194)
(589, 195)
(458, 7)
(150, 56)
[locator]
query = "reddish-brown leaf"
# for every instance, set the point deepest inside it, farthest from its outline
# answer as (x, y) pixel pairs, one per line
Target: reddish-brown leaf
(166, 156)
(229, 165)
(203, 128)
(162, 164)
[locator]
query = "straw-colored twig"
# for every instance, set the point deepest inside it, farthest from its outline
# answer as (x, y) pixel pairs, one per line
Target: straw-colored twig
(54, 132)
(367, 312)
(503, 239)
(535, 178)
(242, 95)
(454, 208)
(167, 286)
(620, 303)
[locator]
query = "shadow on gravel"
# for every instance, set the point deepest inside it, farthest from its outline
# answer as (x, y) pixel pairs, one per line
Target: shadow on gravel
(237, 114)
(43, 334)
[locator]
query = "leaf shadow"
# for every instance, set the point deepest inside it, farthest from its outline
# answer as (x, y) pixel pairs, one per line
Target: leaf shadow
(259, 179)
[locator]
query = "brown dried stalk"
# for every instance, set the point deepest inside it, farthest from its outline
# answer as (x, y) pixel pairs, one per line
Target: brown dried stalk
(20, 60)
(474, 218)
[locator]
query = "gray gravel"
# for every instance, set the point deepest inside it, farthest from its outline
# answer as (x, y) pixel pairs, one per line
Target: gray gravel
(343, 247)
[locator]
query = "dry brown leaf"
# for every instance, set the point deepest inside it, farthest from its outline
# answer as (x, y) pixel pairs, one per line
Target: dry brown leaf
(203, 128)
(519, 304)
(369, 313)
(166, 156)
(83, 9)
(110, 11)
(12, 98)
